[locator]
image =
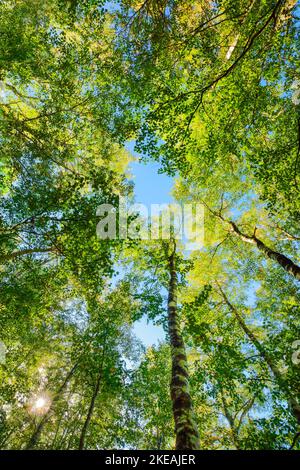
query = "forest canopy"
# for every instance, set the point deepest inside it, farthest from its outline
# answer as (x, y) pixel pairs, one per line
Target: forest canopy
(208, 91)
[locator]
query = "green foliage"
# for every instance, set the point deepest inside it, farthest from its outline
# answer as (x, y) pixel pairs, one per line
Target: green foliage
(211, 91)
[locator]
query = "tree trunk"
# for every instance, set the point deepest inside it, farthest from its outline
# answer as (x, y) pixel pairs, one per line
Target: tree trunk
(93, 400)
(90, 412)
(27, 251)
(250, 334)
(230, 419)
(286, 263)
(295, 407)
(185, 428)
(37, 433)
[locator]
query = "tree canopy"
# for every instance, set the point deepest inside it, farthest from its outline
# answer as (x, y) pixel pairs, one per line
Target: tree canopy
(211, 92)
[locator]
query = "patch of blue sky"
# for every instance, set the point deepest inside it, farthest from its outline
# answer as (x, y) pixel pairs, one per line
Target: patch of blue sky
(149, 333)
(150, 187)
(112, 6)
(251, 294)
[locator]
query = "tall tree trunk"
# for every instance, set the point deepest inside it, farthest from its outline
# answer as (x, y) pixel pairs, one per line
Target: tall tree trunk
(230, 419)
(93, 399)
(37, 433)
(90, 411)
(286, 263)
(185, 428)
(295, 407)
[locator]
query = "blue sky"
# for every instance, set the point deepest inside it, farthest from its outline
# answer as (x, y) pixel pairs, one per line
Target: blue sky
(150, 187)
(148, 333)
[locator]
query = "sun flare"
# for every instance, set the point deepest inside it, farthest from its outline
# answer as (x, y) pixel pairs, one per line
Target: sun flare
(39, 404)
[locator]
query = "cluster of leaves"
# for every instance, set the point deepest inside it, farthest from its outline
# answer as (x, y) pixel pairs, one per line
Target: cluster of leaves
(209, 89)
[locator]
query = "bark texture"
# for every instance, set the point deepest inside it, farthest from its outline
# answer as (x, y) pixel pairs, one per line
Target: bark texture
(185, 428)
(286, 263)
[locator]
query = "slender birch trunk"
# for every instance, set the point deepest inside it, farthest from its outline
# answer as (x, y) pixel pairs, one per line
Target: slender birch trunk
(185, 428)
(90, 411)
(230, 419)
(93, 401)
(286, 263)
(295, 407)
(37, 433)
